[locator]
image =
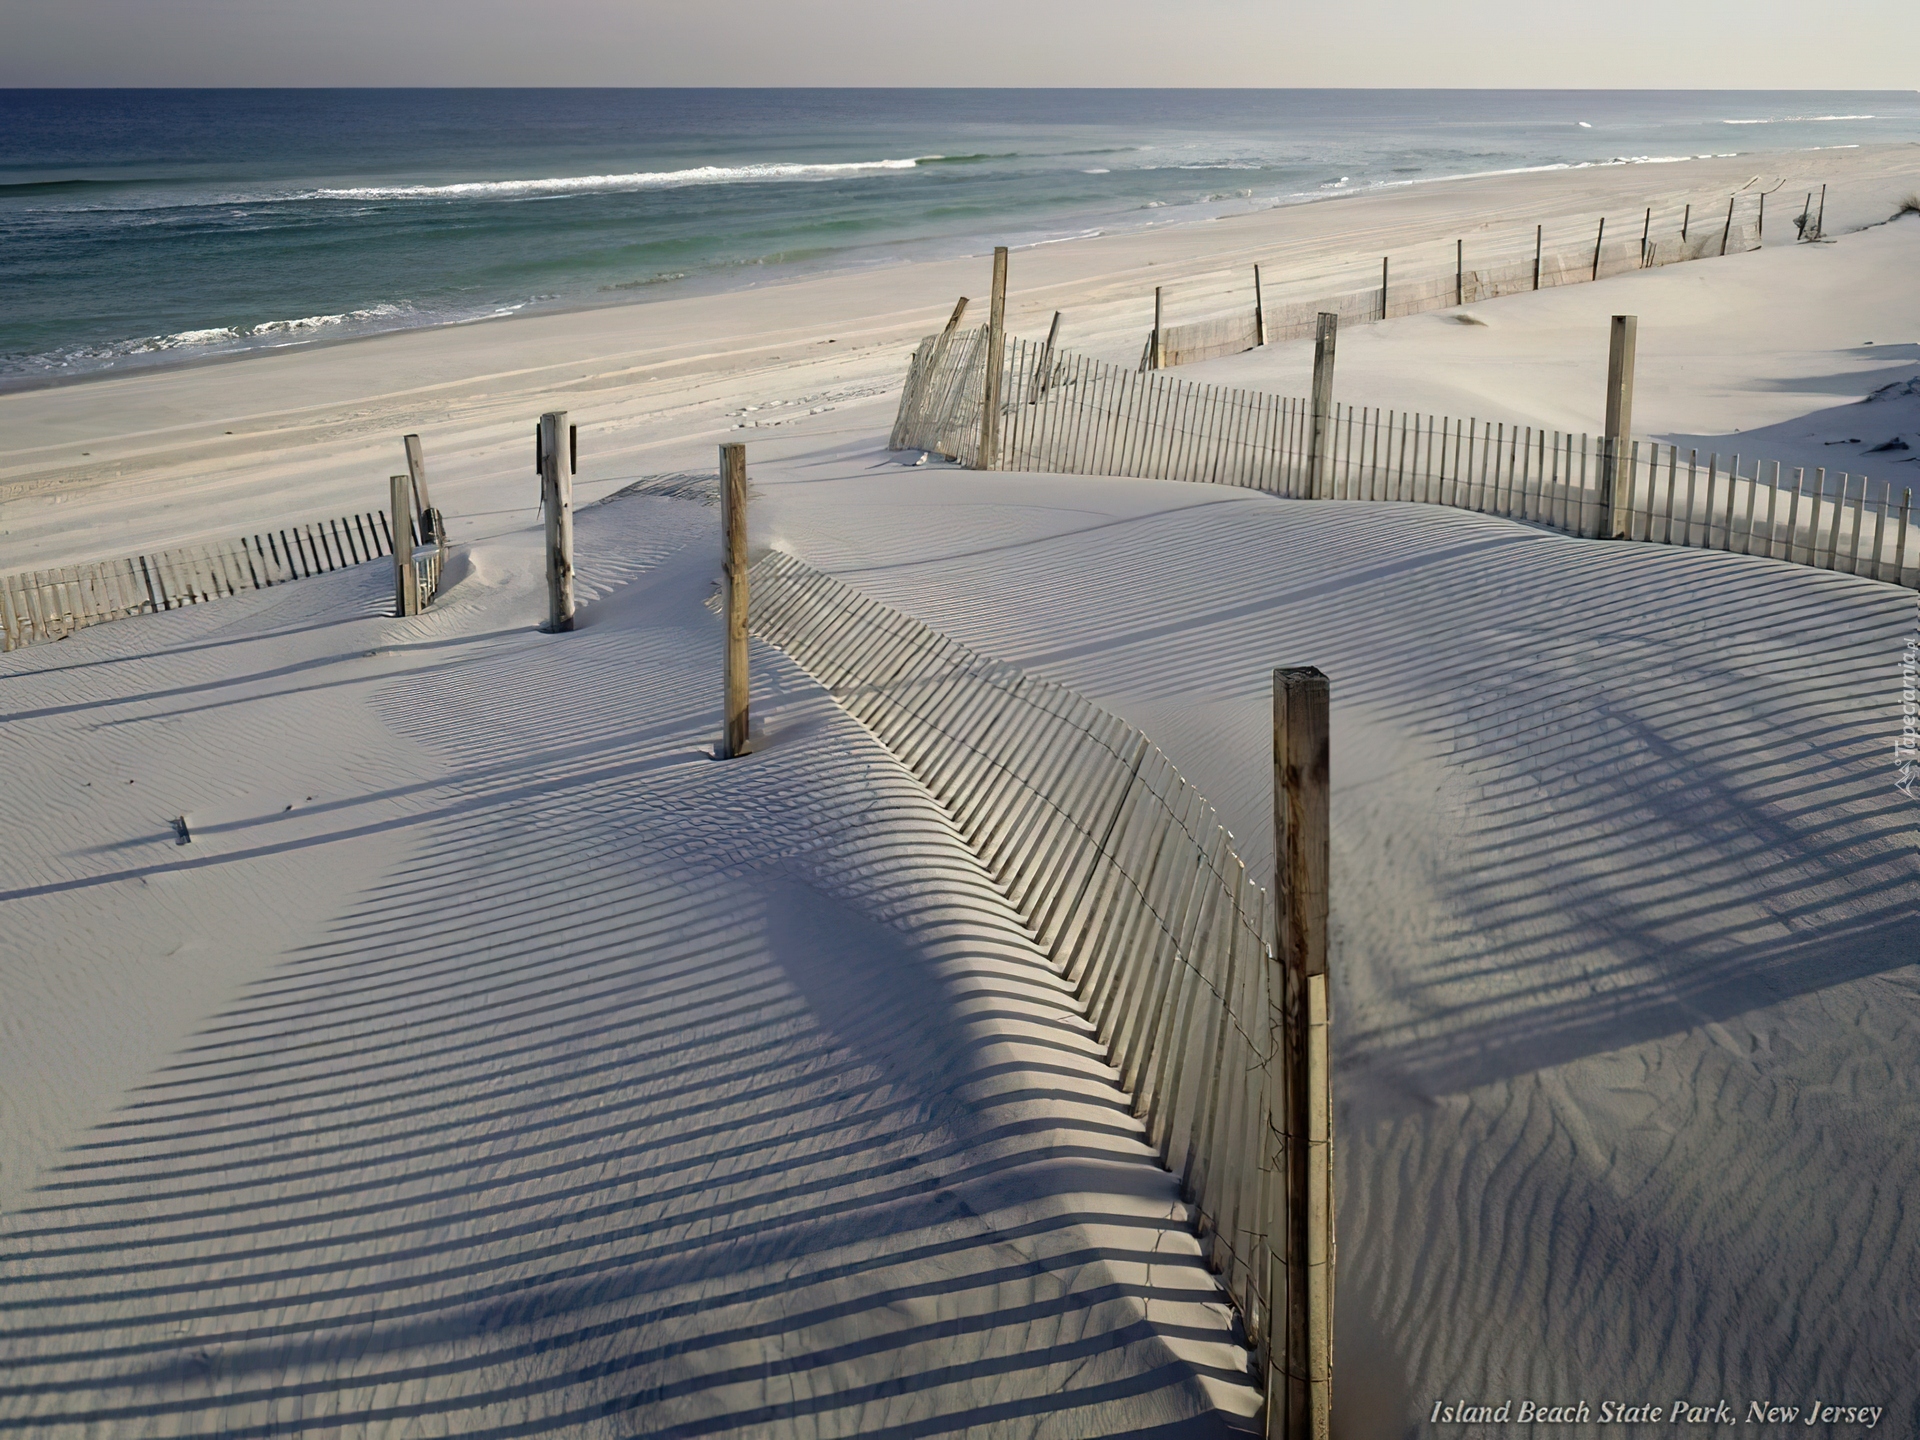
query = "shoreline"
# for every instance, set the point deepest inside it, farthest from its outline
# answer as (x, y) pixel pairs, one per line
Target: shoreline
(121, 464)
(715, 283)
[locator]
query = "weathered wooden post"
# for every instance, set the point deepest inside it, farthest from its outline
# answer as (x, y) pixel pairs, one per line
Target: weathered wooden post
(733, 571)
(1320, 439)
(1686, 219)
(1616, 479)
(1300, 1370)
(1646, 234)
(554, 457)
(1259, 311)
(1727, 233)
(417, 470)
(1820, 221)
(1383, 287)
(406, 594)
(1043, 369)
(1598, 239)
(996, 356)
(1539, 233)
(1154, 348)
(1460, 272)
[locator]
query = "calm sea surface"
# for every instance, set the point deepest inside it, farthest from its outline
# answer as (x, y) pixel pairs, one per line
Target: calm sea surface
(146, 226)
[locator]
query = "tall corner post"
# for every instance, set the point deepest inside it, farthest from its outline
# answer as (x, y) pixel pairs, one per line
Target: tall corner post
(417, 471)
(989, 456)
(1259, 311)
(556, 500)
(735, 689)
(1155, 349)
(1300, 1368)
(406, 595)
(1616, 475)
(1320, 439)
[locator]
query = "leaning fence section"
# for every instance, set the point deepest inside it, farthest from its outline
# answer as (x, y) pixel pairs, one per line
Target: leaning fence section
(1122, 870)
(42, 605)
(1065, 413)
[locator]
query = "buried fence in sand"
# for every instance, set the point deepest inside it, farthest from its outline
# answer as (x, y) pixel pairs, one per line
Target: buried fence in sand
(42, 605)
(1211, 1000)
(1058, 412)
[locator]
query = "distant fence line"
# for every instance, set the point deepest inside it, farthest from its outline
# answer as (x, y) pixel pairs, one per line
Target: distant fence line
(1122, 870)
(1680, 235)
(1071, 414)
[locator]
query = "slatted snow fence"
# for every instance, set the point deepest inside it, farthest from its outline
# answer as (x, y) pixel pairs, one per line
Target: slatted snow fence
(43, 605)
(1122, 870)
(1066, 413)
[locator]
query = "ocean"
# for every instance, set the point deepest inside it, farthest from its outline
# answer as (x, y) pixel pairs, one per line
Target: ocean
(146, 227)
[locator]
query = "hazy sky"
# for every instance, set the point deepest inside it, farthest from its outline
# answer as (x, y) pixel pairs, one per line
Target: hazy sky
(1709, 44)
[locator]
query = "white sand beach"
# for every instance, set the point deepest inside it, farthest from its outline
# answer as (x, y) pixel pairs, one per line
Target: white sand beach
(492, 1061)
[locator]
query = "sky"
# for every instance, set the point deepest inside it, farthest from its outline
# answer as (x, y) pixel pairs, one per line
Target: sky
(1627, 44)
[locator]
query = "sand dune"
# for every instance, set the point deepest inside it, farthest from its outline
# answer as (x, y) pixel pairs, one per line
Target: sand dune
(492, 1061)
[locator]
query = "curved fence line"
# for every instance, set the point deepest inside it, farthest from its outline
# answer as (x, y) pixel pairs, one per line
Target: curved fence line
(1124, 874)
(1065, 413)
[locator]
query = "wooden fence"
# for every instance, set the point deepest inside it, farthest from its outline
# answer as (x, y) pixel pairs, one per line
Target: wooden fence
(1070, 414)
(44, 605)
(1125, 875)
(1680, 236)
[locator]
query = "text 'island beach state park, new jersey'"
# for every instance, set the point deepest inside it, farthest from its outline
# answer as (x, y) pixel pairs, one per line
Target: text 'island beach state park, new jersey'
(1030, 763)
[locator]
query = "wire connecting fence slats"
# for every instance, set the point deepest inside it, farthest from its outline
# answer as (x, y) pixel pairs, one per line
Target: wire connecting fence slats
(1065, 413)
(1121, 869)
(44, 605)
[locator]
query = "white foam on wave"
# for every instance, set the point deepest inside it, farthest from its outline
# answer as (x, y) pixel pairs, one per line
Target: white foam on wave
(637, 180)
(1799, 119)
(285, 331)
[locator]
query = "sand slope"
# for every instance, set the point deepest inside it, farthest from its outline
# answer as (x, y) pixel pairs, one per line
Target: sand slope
(1626, 906)
(534, 1073)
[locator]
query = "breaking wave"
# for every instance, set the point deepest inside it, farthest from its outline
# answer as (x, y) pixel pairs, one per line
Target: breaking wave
(638, 180)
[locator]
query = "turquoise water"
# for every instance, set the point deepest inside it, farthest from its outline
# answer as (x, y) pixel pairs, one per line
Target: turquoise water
(146, 227)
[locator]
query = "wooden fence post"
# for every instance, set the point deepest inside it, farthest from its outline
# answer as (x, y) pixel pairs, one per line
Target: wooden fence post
(1820, 221)
(556, 498)
(1043, 372)
(1155, 347)
(1459, 272)
(1300, 1372)
(1727, 233)
(417, 471)
(1598, 238)
(1616, 497)
(1760, 227)
(996, 356)
(1259, 312)
(1539, 232)
(733, 569)
(1383, 287)
(406, 595)
(1320, 440)
(1686, 218)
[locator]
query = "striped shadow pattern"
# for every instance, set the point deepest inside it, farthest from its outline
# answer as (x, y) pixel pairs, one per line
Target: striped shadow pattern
(1121, 869)
(42, 605)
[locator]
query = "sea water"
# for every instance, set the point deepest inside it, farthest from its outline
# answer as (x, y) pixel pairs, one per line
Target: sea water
(144, 227)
